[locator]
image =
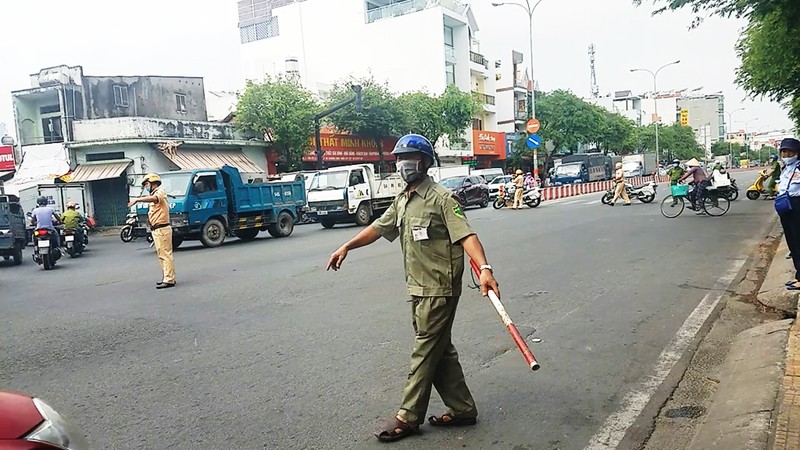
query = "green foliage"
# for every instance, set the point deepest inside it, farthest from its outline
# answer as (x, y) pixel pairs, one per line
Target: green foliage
(284, 109)
(567, 121)
(615, 132)
(380, 116)
(674, 141)
(726, 148)
(450, 113)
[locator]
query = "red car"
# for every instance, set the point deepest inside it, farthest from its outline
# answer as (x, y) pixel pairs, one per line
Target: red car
(30, 424)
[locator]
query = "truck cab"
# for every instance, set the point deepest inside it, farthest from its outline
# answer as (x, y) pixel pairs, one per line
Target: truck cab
(351, 194)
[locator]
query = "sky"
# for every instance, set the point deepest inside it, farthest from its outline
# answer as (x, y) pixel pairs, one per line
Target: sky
(201, 38)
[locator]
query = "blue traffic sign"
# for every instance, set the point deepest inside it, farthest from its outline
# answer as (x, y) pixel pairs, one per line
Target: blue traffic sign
(534, 141)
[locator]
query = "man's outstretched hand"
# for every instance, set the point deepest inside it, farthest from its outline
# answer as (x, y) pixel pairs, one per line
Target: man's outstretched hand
(337, 258)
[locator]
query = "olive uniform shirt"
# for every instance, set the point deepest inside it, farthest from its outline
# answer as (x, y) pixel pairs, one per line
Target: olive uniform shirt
(159, 211)
(431, 225)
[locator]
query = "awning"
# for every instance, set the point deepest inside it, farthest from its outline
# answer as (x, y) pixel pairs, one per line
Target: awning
(5, 176)
(99, 171)
(208, 159)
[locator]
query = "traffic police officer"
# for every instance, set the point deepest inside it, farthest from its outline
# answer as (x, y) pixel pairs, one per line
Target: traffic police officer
(789, 192)
(434, 233)
(160, 227)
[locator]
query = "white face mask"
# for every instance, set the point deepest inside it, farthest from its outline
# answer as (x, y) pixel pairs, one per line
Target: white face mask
(790, 160)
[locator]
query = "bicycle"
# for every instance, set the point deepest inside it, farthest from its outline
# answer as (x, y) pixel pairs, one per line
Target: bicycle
(714, 204)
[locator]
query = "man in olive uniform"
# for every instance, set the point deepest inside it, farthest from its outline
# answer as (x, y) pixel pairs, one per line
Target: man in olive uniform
(434, 233)
(158, 218)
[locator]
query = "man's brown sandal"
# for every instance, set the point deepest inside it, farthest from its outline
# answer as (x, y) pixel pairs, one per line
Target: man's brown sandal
(449, 420)
(388, 431)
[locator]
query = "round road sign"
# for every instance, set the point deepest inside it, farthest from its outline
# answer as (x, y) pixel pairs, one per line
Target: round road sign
(533, 126)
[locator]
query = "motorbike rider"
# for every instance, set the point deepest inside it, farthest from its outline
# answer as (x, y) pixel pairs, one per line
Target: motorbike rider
(519, 186)
(701, 183)
(43, 216)
(620, 190)
(675, 172)
(73, 220)
(773, 173)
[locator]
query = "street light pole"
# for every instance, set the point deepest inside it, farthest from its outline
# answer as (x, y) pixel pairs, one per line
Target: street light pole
(730, 143)
(746, 139)
(529, 10)
(655, 100)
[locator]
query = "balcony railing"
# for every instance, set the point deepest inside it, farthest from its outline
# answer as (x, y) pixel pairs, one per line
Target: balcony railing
(522, 84)
(412, 6)
(486, 99)
(521, 115)
(477, 58)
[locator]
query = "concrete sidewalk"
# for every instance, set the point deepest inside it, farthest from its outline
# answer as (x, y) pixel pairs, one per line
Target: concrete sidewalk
(757, 403)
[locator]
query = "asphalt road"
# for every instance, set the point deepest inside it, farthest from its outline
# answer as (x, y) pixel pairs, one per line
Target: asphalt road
(259, 347)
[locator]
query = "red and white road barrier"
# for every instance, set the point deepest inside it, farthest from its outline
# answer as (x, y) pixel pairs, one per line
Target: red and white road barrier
(512, 329)
(556, 192)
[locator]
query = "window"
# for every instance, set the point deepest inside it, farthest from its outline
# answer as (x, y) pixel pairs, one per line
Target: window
(450, 74)
(180, 103)
(108, 156)
(264, 29)
(356, 178)
(477, 124)
(121, 96)
(448, 37)
(204, 183)
(50, 109)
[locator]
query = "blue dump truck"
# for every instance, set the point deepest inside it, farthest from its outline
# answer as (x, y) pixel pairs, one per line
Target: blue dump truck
(210, 204)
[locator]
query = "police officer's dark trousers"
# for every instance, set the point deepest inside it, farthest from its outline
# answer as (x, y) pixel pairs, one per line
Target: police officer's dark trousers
(791, 231)
(434, 362)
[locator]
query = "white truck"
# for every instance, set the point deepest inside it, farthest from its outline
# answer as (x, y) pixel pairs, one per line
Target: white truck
(351, 194)
(639, 165)
(58, 195)
(438, 174)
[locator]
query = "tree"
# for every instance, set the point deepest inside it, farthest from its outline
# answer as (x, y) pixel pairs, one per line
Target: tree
(567, 121)
(615, 132)
(379, 117)
(458, 108)
(674, 141)
(722, 148)
(282, 108)
(450, 113)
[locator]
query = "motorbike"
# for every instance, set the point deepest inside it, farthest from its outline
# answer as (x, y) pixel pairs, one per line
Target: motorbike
(531, 196)
(44, 253)
(645, 193)
(758, 187)
(70, 239)
(29, 422)
(730, 192)
(131, 222)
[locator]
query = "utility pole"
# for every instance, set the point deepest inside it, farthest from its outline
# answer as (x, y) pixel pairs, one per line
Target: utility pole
(655, 100)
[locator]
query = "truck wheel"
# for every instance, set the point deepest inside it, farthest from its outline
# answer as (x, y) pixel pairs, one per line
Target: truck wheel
(363, 215)
(327, 223)
(283, 226)
(18, 254)
(213, 234)
(248, 234)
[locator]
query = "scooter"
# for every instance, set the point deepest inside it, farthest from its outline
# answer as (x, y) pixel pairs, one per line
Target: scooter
(70, 240)
(645, 193)
(45, 254)
(530, 196)
(757, 188)
(126, 234)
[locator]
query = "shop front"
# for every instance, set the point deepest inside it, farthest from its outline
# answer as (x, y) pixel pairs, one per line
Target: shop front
(345, 149)
(488, 149)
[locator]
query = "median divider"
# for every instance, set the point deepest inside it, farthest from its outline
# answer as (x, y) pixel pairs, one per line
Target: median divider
(557, 192)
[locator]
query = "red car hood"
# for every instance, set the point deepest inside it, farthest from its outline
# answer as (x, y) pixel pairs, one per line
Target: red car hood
(18, 415)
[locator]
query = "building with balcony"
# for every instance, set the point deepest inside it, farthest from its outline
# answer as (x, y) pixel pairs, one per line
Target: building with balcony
(413, 45)
(513, 92)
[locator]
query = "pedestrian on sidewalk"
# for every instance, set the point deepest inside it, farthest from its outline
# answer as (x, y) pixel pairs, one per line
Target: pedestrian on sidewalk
(621, 191)
(787, 204)
(158, 218)
(519, 188)
(434, 233)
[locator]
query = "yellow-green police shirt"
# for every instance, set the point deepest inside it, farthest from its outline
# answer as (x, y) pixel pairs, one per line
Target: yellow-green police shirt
(431, 224)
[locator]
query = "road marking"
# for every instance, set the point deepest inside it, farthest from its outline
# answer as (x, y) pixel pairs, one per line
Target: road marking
(592, 203)
(617, 424)
(572, 202)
